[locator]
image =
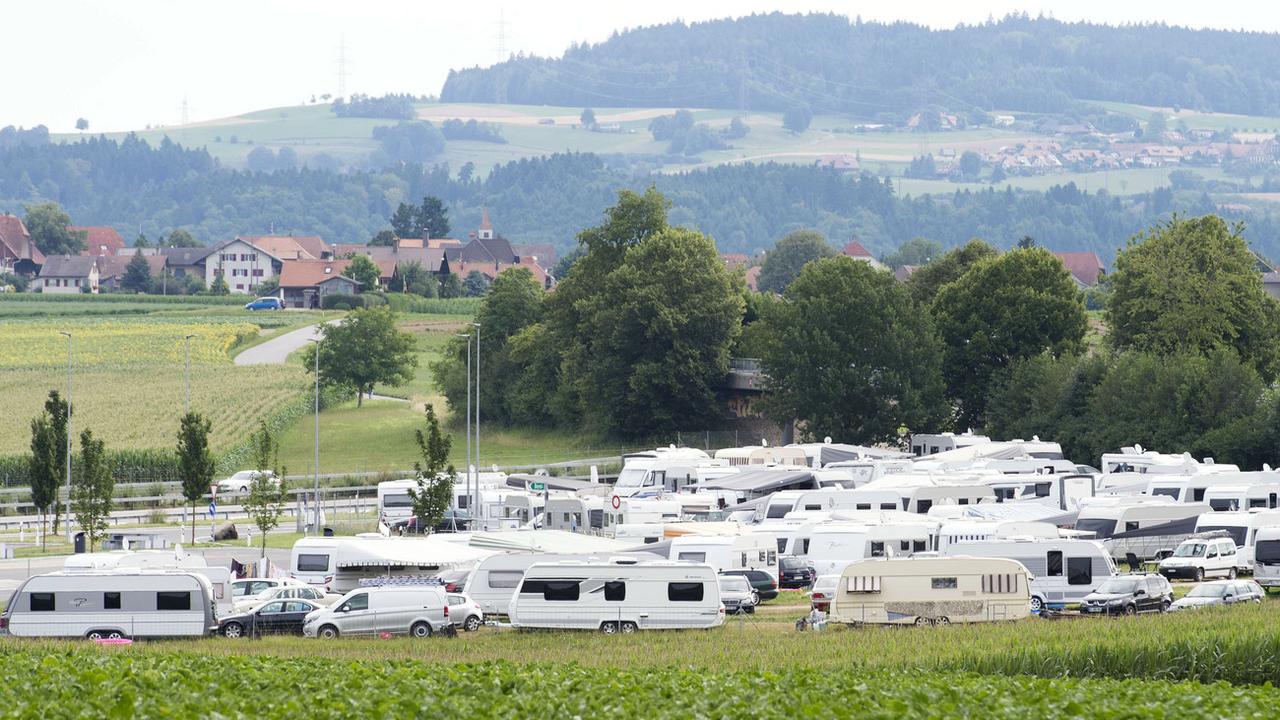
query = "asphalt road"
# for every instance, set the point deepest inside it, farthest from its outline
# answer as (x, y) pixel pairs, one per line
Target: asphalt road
(276, 350)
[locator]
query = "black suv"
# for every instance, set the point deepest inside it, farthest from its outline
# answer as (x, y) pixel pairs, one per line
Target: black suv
(795, 573)
(762, 582)
(1129, 595)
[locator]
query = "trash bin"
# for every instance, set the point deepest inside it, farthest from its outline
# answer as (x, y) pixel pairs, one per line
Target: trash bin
(328, 532)
(79, 542)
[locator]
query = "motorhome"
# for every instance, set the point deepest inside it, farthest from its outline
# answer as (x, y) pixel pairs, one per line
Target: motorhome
(750, 551)
(1062, 570)
(1243, 528)
(109, 604)
(754, 484)
(339, 564)
(574, 513)
(931, 591)
(617, 596)
(170, 560)
(862, 472)
(666, 475)
(933, 443)
(521, 507)
(1147, 462)
(1266, 557)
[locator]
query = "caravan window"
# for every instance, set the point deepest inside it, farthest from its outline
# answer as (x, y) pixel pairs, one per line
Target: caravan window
(864, 506)
(888, 506)
(812, 507)
(1197, 495)
(684, 592)
(313, 563)
(504, 578)
(397, 500)
(561, 590)
(1054, 561)
(877, 549)
(42, 602)
(1257, 503)
(462, 502)
(782, 545)
(918, 545)
(1169, 491)
(778, 510)
(1001, 583)
(166, 600)
(697, 557)
(1042, 489)
(615, 591)
(111, 601)
(533, 586)
(1130, 525)
(922, 506)
(943, 583)
(1222, 504)
(905, 546)
(1079, 571)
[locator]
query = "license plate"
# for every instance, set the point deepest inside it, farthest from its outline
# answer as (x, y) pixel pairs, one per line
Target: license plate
(1093, 609)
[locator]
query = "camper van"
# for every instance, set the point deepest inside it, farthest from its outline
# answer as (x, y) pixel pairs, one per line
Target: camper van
(112, 604)
(651, 477)
(931, 591)
(1266, 557)
(1062, 570)
(339, 564)
(613, 596)
(752, 551)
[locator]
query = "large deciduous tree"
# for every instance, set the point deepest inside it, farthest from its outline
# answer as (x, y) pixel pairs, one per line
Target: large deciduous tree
(50, 230)
(364, 271)
(789, 257)
(92, 489)
(1017, 305)
(179, 238)
(364, 349)
(1192, 285)
(926, 281)
(847, 354)
(195, 462)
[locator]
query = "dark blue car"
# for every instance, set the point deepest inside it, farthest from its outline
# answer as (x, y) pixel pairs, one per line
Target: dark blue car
(266, 303)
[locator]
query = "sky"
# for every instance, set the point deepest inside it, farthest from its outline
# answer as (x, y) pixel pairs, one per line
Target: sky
(126, 64)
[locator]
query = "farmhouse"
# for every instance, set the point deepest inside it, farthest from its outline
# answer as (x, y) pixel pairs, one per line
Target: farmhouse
(855, 250)
(303, 283)
(248, 260)
(1085, 267)
(99, 240)
(68, 274)
(18, 254)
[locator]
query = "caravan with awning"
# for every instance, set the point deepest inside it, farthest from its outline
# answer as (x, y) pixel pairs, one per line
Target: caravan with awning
(339, 563)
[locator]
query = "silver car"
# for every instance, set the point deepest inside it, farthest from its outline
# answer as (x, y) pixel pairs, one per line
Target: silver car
(1220, 592)
(465, 612)
(737, 595)
(415, 610)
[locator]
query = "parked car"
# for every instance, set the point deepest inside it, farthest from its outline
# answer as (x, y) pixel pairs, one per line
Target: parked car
(737, 595)
(287, 592)
(454, 581)
(454, 521)
(415, 610)
(824, 587)
(275, 617)
(1129, 595)
(465, 612)
(795, 573)
(1198, 558)
(762, 582)
(265, 303)
(243, 480)
(1220, 592)
(248, 587)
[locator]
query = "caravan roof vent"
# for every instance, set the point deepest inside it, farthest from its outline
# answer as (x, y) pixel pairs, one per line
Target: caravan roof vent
(826, 440)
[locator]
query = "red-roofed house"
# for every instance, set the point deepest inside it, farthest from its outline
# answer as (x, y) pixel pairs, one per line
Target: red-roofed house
(248, 260)
(111, 269)
(304, 282)
(99, 239)
(18, 254)
(1085, 267)
(855, 250)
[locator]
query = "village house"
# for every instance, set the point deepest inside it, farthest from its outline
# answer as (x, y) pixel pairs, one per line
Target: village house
(855, 250)
(246, 261)
(305, 283)
(65, 274)
(183, 262)
(99, 240)
(18, 254)
(1085, 267)
(111, 269)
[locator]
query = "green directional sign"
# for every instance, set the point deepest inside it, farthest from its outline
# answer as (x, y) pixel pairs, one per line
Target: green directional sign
(537, 486)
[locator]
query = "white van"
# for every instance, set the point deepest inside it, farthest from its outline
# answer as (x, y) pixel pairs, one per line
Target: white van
(931, 591)
(1266, 557)
(617, 596)
(1242, 527)
(1198, 557)
(415, 610)
(1062, 570)
(112, 604)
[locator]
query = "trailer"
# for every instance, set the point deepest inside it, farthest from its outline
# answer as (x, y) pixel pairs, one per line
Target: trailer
(931, 591)
(109, 604)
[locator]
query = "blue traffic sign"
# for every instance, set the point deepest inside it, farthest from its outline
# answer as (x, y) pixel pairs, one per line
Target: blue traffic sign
(213, 509)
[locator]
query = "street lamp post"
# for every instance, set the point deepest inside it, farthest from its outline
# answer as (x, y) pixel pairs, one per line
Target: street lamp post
(68, 520)
(467, 427)
(187, 340)
(477, 326)
(315, 460)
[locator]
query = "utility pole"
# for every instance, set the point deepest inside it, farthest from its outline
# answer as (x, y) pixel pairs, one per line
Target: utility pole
(187, 339)
(467, 426)
(68, 518)
(502, 34)
(342, 67)
(315, 460)
(477, 326)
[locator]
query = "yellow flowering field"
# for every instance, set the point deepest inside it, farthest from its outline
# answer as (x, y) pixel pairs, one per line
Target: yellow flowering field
(128, 375)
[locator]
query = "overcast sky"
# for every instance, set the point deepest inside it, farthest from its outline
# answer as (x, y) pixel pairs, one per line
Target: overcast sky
(124, 64)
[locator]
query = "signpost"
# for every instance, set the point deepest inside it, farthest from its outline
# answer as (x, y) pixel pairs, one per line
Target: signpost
(537, 486)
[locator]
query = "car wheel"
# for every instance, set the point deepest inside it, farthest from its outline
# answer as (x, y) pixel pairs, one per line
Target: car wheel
(1231, 574)
(755, 598)
(609, 628)
(244, 488)
(232, 630)
(472, 624)
(420, 630)
(1199, 575)
(1164, 606)
(328, 632)
(629, 627)
(1037, 605)
(1131, 609)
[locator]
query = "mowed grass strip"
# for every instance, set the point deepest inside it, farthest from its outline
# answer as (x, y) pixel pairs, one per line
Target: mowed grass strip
(152, 681)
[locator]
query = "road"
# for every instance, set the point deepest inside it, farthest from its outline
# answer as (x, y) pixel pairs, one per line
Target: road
(276, 350)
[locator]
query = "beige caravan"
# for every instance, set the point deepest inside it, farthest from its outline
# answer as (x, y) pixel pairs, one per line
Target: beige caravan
(928, 591)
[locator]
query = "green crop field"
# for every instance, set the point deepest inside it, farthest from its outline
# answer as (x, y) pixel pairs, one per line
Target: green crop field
(1204, 664)
(1198, 120)
(128, 368)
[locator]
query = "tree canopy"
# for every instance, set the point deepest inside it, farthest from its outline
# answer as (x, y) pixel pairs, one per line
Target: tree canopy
(48, 224)
(364, 271)
(789, 257)
(363, 349)
(926, 281)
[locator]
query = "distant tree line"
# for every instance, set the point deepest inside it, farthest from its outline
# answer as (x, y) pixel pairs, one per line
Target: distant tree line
(455, 129)
(829, 64)
(391, 106)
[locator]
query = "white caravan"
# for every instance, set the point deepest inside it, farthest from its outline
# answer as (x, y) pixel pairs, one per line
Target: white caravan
(495, 578)
(1062, 570)
(1266, 557)
(931, 591)
(638, 511)
(953, 532)
(665, 475)
(394, 503)
(752, 551)
(339, 564)
(1243, 528)
(831, 546)
(112, 604)
(763, 455)
(617, 596)
(169, 560)
(933, 443)
(1147, 462)
(1105, 519)
(573, 513)
(862, 472)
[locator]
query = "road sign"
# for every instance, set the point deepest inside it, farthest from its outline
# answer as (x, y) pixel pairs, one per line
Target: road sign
(617, 502)
(213, 509)
(537, 486)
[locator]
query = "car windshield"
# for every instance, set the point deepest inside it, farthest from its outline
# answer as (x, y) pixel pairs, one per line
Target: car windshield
(1208, 591)
(734, 583)
(1118, 586)
(1190, 550)
(826, 582)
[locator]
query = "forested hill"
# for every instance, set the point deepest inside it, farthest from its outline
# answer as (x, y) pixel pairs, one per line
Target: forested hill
(746, 208)
(773, 62)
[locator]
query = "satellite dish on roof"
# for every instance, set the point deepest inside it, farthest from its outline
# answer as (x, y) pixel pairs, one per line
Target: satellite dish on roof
(1138, 448)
